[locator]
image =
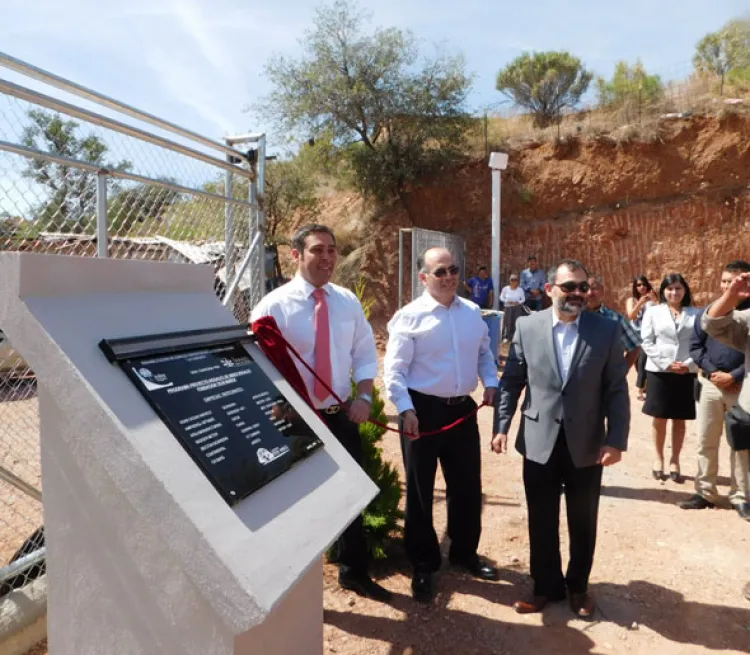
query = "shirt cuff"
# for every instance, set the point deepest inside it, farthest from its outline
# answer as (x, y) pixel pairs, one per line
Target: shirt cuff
(490, 382)
(365, 372)
(404, 405)
(739, 374)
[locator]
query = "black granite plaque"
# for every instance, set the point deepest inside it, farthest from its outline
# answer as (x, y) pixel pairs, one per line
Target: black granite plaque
(231, 419)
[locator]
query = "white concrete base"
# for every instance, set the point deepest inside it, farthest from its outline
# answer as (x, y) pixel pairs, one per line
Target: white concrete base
(144, 557)
(23, 617)
(295, 627)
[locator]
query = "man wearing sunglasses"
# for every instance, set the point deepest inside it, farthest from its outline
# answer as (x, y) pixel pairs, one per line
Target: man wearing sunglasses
(575, 420)
(438, 349)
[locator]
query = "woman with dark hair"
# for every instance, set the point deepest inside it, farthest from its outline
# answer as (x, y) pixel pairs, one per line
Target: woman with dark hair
(643, 297)
(670, 372)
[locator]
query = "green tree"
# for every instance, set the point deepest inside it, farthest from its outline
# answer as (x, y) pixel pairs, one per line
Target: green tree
(544, 83)
(397, 115)
(720, 53)
(630, 88)
(381, 517)
(290, 190)
(71, 190)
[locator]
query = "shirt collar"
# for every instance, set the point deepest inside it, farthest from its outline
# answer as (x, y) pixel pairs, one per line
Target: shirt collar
(556, 320)
(430, 303)
(602, 309)
(306, 288)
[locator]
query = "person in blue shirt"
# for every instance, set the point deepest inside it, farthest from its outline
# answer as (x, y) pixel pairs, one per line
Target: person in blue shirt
(533, 280)
(481, 288)
(722, 373)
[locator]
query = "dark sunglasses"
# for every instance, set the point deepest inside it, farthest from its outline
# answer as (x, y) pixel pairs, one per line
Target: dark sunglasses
(570, 287)
(443, 271)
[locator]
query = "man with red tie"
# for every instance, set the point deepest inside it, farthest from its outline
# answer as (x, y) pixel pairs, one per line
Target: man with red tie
(314, 315)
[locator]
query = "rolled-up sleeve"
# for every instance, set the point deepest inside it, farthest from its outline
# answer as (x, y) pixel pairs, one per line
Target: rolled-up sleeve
(364, 351)
(398, 357)
(732, 330)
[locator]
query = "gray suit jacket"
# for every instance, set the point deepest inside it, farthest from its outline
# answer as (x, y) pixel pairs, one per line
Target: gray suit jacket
(595, 391)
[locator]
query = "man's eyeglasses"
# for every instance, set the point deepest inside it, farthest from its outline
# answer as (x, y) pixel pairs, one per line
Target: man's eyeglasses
(443, 271)
(570, 287)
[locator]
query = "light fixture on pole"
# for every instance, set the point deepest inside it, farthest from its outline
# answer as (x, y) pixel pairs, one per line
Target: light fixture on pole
(498, 162)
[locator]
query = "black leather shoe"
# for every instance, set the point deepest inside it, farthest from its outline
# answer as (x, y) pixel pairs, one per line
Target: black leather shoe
(743, 509)
(696, 502)
(364, 585)
(422, 587)
(582, 605)
(477, 567)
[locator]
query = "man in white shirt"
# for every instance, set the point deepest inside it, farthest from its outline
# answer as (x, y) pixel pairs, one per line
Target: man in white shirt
(438, 348)
(326, 324)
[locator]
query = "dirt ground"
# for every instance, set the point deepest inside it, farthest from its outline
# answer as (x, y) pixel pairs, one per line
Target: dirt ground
(666, 580)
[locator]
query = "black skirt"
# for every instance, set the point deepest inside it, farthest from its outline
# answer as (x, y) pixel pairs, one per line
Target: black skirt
(670, 395)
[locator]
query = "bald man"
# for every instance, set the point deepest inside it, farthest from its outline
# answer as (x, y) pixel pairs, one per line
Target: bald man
(438, 349)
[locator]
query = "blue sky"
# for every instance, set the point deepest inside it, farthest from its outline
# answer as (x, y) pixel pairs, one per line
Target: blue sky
(199, 63)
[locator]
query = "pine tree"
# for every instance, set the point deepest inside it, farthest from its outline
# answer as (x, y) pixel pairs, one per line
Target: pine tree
(381, 517)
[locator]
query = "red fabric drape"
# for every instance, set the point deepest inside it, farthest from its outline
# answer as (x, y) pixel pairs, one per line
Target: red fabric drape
(274, 346)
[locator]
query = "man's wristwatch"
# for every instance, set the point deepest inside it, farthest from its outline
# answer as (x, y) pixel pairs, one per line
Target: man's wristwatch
(366, 397)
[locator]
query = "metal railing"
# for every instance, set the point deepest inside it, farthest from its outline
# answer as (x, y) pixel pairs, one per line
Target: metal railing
(74, 181)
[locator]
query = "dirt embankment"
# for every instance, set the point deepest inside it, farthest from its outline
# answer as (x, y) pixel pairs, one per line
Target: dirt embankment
(680, 202)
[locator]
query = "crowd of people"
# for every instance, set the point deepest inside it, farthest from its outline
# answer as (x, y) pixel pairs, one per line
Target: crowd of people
(566, 366)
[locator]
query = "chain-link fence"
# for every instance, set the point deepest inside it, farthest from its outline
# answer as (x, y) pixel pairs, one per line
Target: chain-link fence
(127, 185)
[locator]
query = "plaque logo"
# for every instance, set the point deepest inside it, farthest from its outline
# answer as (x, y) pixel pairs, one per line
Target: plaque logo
(151, 381)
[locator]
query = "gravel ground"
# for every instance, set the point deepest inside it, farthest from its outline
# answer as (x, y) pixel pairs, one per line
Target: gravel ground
(665, 580)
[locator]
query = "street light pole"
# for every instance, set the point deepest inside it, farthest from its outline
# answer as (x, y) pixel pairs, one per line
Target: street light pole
(498, 162)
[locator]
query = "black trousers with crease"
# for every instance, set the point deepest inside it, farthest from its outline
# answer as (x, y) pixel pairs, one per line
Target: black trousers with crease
(352, 546)
(543, 483)
(458, 453)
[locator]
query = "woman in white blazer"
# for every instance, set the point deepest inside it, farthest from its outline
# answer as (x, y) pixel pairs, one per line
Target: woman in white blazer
(670, 372)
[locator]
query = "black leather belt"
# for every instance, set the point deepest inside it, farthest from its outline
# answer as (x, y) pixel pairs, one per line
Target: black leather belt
(452, 400)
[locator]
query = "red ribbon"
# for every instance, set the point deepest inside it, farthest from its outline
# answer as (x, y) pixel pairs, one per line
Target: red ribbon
(270, 338)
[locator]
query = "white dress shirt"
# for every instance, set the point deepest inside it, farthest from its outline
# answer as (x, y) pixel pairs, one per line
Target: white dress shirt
(565, 338)
(353, 350)
(509, 294)
(437, 350)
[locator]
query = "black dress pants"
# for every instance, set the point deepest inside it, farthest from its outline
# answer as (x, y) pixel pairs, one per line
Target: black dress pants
(352, 546)
(640, 365)
(458, 452)
(542, 483)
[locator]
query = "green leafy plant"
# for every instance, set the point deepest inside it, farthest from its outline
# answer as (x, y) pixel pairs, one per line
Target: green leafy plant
(394, 114)
(381, 517)
(544, 83)
(722, 53)
(630, 88)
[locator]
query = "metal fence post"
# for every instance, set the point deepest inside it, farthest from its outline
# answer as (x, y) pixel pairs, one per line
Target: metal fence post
(229, 250)
(261, 225)
(102, 222)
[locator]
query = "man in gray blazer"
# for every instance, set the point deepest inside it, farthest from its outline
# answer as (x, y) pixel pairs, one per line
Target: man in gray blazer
(575, 420)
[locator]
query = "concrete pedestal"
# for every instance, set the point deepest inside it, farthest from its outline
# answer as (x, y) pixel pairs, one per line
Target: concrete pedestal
(144, 556)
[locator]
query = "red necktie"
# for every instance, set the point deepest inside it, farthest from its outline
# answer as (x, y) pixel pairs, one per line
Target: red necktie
(322, 351)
